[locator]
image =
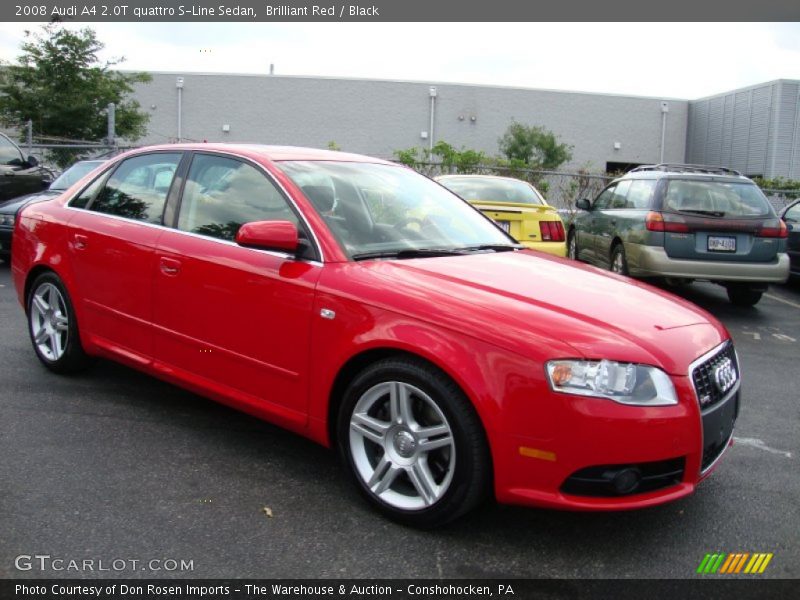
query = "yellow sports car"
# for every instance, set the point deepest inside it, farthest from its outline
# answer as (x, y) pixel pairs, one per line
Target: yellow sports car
(514, 205)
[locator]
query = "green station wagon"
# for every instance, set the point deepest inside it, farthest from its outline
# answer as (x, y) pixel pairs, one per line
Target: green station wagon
(684, 223)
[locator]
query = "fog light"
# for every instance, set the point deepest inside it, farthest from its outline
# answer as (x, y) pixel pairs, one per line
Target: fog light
(626, 481)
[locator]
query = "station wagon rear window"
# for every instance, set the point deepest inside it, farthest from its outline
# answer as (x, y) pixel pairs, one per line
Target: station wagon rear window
(716, 199)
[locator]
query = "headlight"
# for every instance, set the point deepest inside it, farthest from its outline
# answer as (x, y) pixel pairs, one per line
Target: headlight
(626, 383)
(6, 220)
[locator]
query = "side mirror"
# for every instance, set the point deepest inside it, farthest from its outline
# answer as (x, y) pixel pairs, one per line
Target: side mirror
(33, 161)
(269, 235)
(583, 204)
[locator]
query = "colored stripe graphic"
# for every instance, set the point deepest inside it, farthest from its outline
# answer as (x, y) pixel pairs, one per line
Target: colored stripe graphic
(734, 563)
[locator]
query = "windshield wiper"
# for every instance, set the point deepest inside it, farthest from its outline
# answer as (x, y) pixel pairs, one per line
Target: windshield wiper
(495, 247)
(409, 253)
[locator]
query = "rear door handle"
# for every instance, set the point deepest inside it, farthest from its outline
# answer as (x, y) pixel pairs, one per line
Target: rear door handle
(169, 266)
(81, 241)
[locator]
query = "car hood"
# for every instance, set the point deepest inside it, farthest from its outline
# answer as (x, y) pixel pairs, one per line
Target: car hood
(13, 205)
(524, 300)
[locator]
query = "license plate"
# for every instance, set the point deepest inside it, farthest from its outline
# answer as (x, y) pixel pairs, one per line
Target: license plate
(504, 225)
(721, 244)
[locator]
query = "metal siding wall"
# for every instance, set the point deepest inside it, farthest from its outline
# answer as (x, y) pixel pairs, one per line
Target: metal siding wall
(741, 130)
(761, 102)
(727, 130)
(786, 132)
(754, 130)
(713, 141)
(379, 117)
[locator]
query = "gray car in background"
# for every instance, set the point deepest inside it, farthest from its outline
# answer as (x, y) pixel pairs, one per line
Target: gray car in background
(684, 223)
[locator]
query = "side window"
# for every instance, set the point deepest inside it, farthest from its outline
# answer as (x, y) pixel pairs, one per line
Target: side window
(10, 154)
(604, 199)
(640, 192)
(619, 198)
(82, 199)
(222, 194)
(138, 188)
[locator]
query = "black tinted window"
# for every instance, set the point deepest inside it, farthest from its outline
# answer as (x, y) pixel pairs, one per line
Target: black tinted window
(138, 188)
(222, 194)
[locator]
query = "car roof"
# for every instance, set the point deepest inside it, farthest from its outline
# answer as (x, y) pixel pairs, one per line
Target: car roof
(685, 171)
(272, 153)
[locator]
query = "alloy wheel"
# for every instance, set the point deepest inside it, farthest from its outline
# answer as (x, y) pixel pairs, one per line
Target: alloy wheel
(402, 445)
(49, 321)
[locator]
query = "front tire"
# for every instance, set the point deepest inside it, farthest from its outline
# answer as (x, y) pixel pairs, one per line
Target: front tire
(413, 443)
(53, 327)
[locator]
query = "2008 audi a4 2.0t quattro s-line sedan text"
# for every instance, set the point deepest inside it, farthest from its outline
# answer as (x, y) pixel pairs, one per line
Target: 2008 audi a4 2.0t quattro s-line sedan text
(364, 306)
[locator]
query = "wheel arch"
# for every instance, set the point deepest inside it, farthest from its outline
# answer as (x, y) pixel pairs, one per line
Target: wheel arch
(31, 277)
(360, 361)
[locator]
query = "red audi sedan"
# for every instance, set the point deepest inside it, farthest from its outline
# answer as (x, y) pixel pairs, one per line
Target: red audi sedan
(366, 307)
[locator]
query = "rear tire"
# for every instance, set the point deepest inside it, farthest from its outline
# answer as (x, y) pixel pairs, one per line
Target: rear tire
(413, 443)
(742, 295)
(53, 327)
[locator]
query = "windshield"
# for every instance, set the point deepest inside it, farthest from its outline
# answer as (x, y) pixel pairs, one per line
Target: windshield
(717, 198)
(492, 189)
(383, 209)
(74, 174)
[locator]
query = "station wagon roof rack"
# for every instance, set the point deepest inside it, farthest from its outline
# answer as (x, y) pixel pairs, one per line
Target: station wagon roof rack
(681, 168)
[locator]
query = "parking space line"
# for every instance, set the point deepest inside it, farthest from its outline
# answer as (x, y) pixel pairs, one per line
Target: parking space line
(756, 443)
(779, 299)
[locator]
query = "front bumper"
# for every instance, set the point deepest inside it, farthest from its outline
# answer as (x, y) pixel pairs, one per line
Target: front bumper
(601, 436)
(652, 261)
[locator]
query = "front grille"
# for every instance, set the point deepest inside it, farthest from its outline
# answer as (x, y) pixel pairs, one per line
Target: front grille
(706, 382)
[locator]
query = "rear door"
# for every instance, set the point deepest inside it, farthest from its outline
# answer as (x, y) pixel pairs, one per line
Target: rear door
(230, 319)
(111, 243)
(719, 220)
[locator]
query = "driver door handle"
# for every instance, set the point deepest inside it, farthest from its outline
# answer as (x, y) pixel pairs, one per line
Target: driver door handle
(169, 266)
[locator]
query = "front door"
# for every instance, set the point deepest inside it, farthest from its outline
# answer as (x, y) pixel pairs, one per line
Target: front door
(231, 319)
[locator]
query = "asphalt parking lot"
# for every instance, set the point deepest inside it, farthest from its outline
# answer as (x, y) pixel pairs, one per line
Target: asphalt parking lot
(114, 465)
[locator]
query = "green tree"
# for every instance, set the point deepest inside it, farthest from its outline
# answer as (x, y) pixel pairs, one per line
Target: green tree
(60, 84)
(533, 147)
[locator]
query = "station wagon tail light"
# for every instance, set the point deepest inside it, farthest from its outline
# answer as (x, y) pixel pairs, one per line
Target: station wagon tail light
(781, 231)
(551, 231)
(626, 383)
(656, 221)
